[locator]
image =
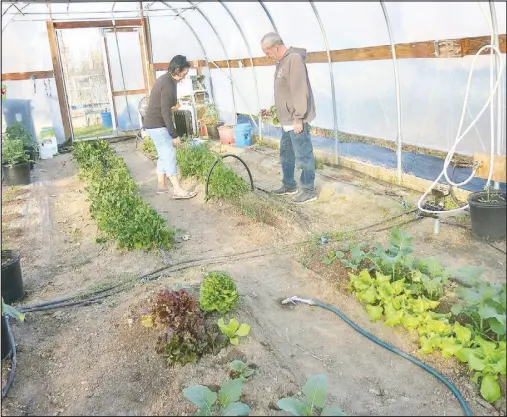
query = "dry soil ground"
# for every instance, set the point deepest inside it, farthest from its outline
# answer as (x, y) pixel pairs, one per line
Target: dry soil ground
(98, 359)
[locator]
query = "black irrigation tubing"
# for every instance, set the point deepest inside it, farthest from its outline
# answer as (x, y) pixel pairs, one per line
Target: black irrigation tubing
(12, 374)
(213, 167)
(461, 226)
(146, 277)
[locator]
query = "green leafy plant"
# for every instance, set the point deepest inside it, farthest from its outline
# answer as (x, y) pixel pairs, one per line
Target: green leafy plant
(485, 304)
(228, 397)
(314, 402)
(13, 152)
(233, 330)
(17, 131)
(218, 292)
(148, 148)
(186, 335)
(211, 115)
(196, 161)
(116, 205)
(12, 312)
(239, 369)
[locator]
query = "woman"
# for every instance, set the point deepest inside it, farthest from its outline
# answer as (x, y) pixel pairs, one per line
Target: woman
(159, 125)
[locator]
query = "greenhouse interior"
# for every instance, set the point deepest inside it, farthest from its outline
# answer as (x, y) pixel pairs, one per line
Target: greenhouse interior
(190, 190)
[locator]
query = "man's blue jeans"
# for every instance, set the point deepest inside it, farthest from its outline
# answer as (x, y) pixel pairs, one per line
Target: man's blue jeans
(298, 148)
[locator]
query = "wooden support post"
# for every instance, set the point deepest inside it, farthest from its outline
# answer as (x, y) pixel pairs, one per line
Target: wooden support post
(60, 86)
(499, 167)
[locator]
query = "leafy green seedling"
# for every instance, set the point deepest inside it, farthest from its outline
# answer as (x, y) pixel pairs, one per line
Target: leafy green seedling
(228, 399)
(241, 370)
(315, 392)
(12, 312)
(233, 330)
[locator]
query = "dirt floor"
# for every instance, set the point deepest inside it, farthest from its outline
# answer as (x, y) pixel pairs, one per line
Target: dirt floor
(98, 359)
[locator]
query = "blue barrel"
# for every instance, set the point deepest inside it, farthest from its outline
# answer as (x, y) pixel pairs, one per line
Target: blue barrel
(107, 120)
(242, 134)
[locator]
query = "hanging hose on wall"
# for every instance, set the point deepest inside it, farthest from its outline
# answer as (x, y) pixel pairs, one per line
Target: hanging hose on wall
(445, 381)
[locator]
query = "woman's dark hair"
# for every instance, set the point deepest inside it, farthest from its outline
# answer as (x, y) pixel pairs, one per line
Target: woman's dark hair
(178, 63)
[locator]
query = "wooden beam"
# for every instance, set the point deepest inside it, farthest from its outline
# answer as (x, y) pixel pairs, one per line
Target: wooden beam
(19, 76)
(130, 92)
(147, 46)
(97, 24)
(452, 48)
(499, 167)
(162, 66)
(58, 73)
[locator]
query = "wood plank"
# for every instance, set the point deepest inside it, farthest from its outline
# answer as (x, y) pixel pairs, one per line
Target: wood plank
(499, 167)
(450, 48)
(19, 76)
(143, 59)
(149, 57)
(58, 74)
(130, 92)
(97, 24)
(110, 75)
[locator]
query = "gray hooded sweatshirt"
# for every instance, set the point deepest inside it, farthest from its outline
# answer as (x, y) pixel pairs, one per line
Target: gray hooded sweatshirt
(293, 92)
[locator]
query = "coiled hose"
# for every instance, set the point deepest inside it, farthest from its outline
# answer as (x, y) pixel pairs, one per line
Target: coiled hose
(385, 345)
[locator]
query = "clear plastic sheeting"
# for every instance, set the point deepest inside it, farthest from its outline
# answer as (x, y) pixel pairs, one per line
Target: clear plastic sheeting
(432, 89)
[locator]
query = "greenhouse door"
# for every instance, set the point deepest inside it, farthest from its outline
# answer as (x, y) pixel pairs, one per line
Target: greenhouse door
(128, 79)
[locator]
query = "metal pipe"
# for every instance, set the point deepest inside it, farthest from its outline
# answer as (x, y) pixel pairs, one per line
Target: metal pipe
(268, 15)
(251, 63)
(200, 44)
(499, 93)
(225, 54)
(398, 94)
(331, 76)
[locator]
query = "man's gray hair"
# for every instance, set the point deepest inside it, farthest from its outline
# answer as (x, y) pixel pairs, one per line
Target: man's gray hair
(271, 39)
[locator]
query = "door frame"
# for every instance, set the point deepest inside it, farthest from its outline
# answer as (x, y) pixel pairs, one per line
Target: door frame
(52, 25)
(119, 93)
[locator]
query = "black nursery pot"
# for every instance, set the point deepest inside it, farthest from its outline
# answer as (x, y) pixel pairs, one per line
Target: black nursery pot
(213, 131)
(6, 343)
(488, 217)
(18, 174)
(30, 152)
(12, 279)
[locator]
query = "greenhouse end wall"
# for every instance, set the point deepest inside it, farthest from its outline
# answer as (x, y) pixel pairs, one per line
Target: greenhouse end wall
(432, 90)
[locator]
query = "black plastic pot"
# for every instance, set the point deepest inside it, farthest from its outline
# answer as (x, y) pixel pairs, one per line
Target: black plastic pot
(6, 343)
(18, 174)
(30, 152)
(488, 215)
(213, 131)
(12, 279)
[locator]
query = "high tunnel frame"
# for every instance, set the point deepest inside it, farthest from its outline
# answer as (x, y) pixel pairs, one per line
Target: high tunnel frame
(195, 6)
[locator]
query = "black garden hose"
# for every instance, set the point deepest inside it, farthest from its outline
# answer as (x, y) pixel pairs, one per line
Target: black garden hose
(206, 198)
(12, 374)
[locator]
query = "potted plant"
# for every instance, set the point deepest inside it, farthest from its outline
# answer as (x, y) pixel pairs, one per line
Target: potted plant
(211, 119)
(8, 311)
(17, 131)
(226, 133)
(198, 82)
(15, 163)
(487, 213)
(12, 279)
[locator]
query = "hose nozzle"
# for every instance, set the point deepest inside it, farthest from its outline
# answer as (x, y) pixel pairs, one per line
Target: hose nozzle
(294, 299)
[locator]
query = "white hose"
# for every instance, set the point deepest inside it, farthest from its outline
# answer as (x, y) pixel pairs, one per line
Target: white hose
(460, 136)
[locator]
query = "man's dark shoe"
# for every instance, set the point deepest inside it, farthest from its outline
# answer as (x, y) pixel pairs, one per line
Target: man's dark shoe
(305, 197)
(283, 190)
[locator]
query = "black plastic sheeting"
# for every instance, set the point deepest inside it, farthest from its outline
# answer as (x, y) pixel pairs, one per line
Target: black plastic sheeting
(427, 167)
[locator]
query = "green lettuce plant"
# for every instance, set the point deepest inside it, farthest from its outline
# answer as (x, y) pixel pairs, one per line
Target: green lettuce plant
(228, 396)
(314, 402)
(233, 330)
(218, 292)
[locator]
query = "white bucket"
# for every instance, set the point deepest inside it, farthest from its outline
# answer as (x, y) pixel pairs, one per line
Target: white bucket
(46, 152)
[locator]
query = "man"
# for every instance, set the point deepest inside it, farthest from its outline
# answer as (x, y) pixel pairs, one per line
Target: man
(295, 108)
(159, 125)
